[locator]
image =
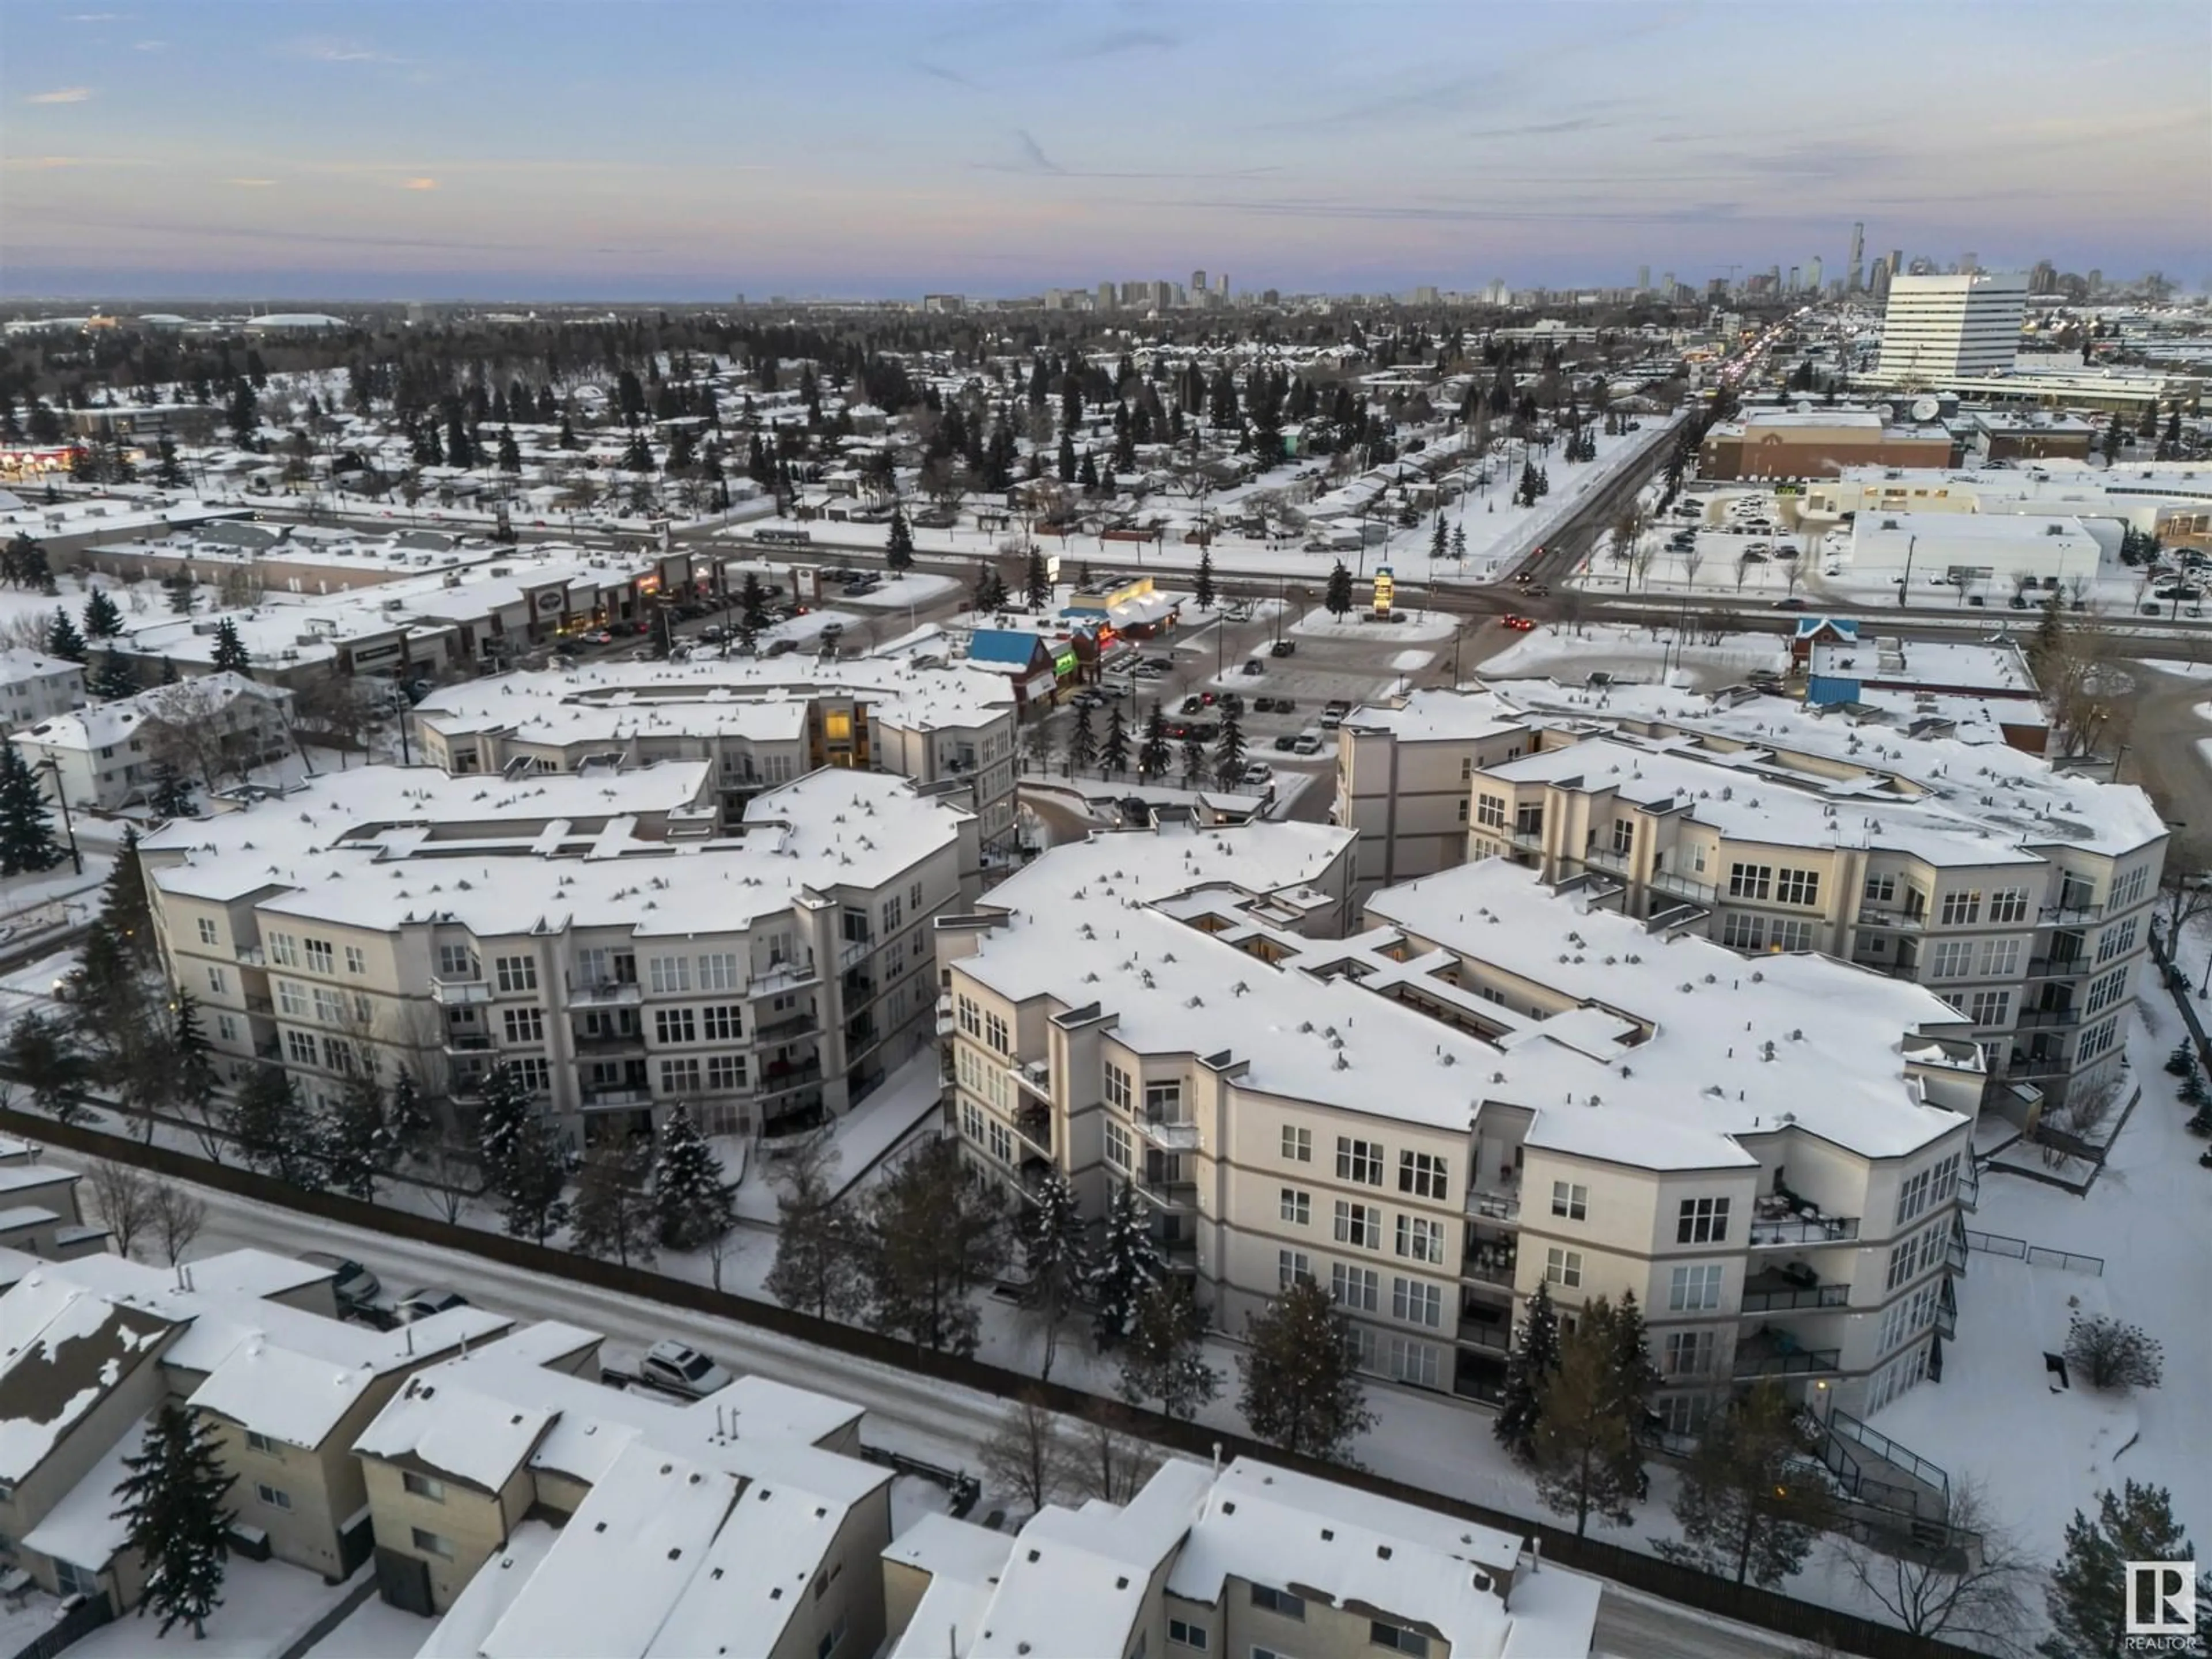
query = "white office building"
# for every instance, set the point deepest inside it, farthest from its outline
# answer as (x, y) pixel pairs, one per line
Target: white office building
(1937, 328)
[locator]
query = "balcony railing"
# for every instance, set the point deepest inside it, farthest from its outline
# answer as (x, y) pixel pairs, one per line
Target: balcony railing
(1177, 1194)
(2056, 967)
(1497, 1205)
(860, 983)
(603, 1043)
(1034, 1125)
(2032, 1018)
(1895, 918)
(452, 992)
(791, 1077)
(1803, 1230)
(1034, 1075)
(1490, 1266)
(1175, 1134)
(1969, 1187)
(1490, 1335)
(251, 956)
(780, 976)
(594, 1098)
(1769, 1353)
(776, 1031)
(255, 1005)
(608, 992)
(2071, 907)
(1531, 838)
(462, 1042)
(853, 952)
(1797, 1299)
(1682, 886)
(1946, 1313)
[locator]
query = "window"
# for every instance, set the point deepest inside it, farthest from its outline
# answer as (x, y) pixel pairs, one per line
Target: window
(1292, 1267)
(1417, 1303)
(1798, 887)
(971, 1016)
(722, 1022)
(1414, 1362)
(1698, 856)
(320, 956)
(207, 931)
(1571, 1199)
(1953, 958)
(1741, 932)
(971, 1120)
(428, 1487)
(1989, 1007)
(1117, 1146)
(275, 1497)
(1359, 1160)
(1624, 836)
(1421, 1173)
(1915, 1195)
(1529, 820)
(725, 1072)
(329, 1006)
(218, 981)
(679, 1076)
(283, 950)
(1881, 890)
(1163, 1102)
(1751, 881)
(1462, 812)
(1183, 1634)
(1297, 1208)
(1397, 1639)
(2008, 904)
(226, 1027)
(2001, 958)
(524, 1024)
(1962, 908)
(1359, 1224)
(456, 961)
(256, 1441)
(1119, 1089)
(533, 1072)
(70, 1579)
(300, 1048)
(1420, 1239)
(1001, 1140)
(894, 914)
(430, 1543)
(1695, 1289)
(1563, 1268)
(674, 1025)
(994, 1033)
(516, 973)
(2130, 888)
(1281, 1602)
(291, 998)
(1910, 1316)
(2096, 1041)
(667, 975)
(1358, 1288)
(914, 898)
(718, 971)
(1489, 812)
(1916, 1253)
(338, 1055)
(1684, 1413)
(1687, 1354)
(1298, 1144)
(1702, 1221)
(2104, 993)
(830, 1638)
(2117, 941)
(356, 961)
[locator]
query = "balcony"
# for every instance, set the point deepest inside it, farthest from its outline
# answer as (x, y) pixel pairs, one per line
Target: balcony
(1033, 1075)
(610, 1042)
(1683, 887)
(780, 976)
(854, 952)
(786, 1076)
(1969, 1187)
(944, 1021)
(1171, 1134)
(2071, 907)
(1956, 1250)
(1946, 1313)
(1531, 839)
(2032, 1018)
(2057, 967)
(1173, 1193)
(2037, 1065)
(1769, 1353)
(860, 983)
(465, 1043)
(458, 993)
(255, 1005)
(251, 956)
(782, 1030)
(1773, 1234)
(1793, 1289)
(1484, 1328)
(1490, 1263)
(1892, 918)
(595, 1099)
(1499, 1204)
(1033, 1123)
(271, 1049)
(608, 992)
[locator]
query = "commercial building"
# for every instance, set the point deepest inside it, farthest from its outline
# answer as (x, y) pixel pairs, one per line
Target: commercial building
(1820, 443)
(1249, 1560)
(2172, 500)
(1936, 328)
(599, 932)
(1979, 552)
(106, 754)
(1493, 1085)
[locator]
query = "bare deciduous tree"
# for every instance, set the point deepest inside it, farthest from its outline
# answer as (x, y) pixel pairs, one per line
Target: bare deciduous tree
(125, 1199)
(1975, 1597)
(1107, 1464)
(179, 1214)
(451, 1176)
(1027, 1458)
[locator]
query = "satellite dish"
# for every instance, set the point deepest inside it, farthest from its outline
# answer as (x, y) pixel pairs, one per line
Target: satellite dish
(1926, 409)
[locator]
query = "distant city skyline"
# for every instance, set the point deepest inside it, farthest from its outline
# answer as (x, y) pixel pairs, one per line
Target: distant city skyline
(673, 150)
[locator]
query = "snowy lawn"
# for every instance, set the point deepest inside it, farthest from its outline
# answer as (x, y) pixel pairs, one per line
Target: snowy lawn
(914, 588)
(906, 1102)
(375, 1630)
(267, 1606)
(22, 1625)
(32, 900)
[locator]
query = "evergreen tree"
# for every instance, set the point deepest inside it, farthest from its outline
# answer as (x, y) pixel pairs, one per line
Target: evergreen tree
(2088, 1597)
(229, 650)
(103, 620)
(171, 1496)
(1037, 581)
(357, 1141)
(1051, 1234)
(123, 906)
(510, 453)
(63, 641)
(752, 610)
(179, 590)
(1164, 1357)
(1439, 539)
(1113, 753)
(693, 1205)
(1086, 476)
(1229, 752)
(615, 1213)
(1193, 762)
(504, 1112)
(1152, 758)
(819, 1259)
(272, 1134)
(1584, 1447)
(112, 677)
(537, 1176)
(1338, 597)
(898, 552)
(27, 826)
(1127, 1263)
(1751, 1504)
(1067, 464)
(1528, 1372)
(408, 1116)
(41, 1053)
(934, 1234)
(195, 1082)
(167, 793)
(1082, 741)
(1459, 542)
(1301, 1382)
(1202, 591)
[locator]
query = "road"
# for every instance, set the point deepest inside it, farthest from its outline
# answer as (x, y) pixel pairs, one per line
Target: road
(931, 1419)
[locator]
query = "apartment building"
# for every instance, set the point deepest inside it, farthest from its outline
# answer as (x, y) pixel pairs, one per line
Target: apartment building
(1249, 1560)
(541, 1511)
(35, 687)
(1936, 329)
(758, 721)
(1402, 776)
(2021, 894)
(1771, 1155)
(598, 932)
(251, 1343)
(104, 756)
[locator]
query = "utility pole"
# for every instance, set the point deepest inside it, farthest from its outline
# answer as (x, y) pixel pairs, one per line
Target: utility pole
(61, 797)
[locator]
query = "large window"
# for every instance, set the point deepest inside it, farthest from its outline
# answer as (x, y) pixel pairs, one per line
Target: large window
(1962, 909)
(718, 971)
(1489, 812)
(994, 1033)
(291, 998)
(1118, 1087)
(1420, 1239)
(2117, 941)
(724, 1022)
(1751, 881)
(517, 973)
(1298, 1144)
(726, 1074)
(671, 1026)
(1702, 1221)
(1989, 1007)
(1694, 1289)
(668, 975)
(1687, 1354)
(1359, 1224)
(1359, 1160)
(2008, 904)
(1359, 1289)
(1279, 1603)
(456, 961)
(524, 1024)
(320, 958)
(1798, 887)
(679, 1076)
(1563, 1268)
(1183, 1634)
(1396, 1637)
(1416, 1302)
(1571, 1200)
(2001, 958)
(1953, 958)
(1297, 1207)
(1117, 1146)
(1292, 1267)
(1421, 1173)
(1415, 1362)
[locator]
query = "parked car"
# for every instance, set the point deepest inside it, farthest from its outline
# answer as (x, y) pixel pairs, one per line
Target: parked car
(679, 1368)
(783, 647)
(1255, 666)
(422, 1302)
(1286, 705)
(1258, 771)
(353, 1285)
(1283, 648)
(1796, 604)
(1263, 705)
(1306, 743)
(1164, 664)
(1333, 714)
(1287, 742)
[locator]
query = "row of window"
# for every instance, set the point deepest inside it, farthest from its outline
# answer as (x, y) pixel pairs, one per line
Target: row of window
(1911, 1316)
(1918, 1252)
(990, 1027)
(1359, 1289)
(1765, 882)
(1931, 1186)
(1422, 1175)
(1743, 930)
(318, 955)
(1417, 1238)
(1955, 958)
(1692, 1288)
(1697, 1221)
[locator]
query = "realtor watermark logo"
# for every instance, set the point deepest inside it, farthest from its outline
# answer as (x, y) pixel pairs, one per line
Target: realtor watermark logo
(2161, 1610)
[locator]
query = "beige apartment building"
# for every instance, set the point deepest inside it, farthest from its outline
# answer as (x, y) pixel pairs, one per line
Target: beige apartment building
(756, 721)
(1772, 1155)
(599, 932)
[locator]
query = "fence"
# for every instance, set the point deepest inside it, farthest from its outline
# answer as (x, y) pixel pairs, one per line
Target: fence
(2036, 1255)
(81, 1616)
(1769, 1609)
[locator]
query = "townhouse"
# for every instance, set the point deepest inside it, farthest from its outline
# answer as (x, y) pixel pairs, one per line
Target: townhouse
(540, 1511)
(1246, 1559)
(1772, 1155)
(250, 1342)
(106, 756)
(758, 721)
(598, 932)
(35, 687)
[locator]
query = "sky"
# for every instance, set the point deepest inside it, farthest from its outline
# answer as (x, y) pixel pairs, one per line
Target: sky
(677, 149)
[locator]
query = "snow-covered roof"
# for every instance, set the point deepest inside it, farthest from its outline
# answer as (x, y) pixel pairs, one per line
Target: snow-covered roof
(18, 664)
(483, 1602)
(83, 1528)
(106, 724)
(378, 846)
(1263, 857)
(62, 1347)
(964, 1562)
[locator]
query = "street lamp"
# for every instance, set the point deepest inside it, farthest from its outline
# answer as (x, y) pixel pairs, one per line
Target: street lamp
(50, 764)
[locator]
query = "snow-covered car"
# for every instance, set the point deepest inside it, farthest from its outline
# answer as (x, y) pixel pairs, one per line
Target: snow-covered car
(679, 1368)
(353, 1285)
(428, 1300)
